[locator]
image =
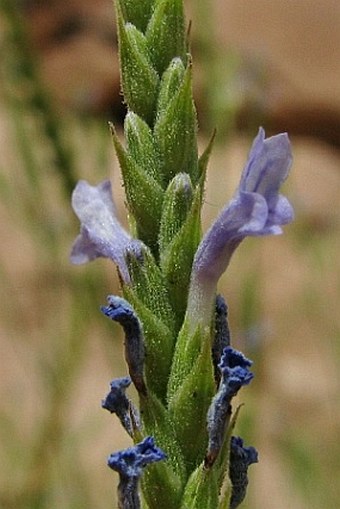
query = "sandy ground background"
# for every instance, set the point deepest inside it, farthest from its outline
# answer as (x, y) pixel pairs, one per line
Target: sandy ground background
(58, 354)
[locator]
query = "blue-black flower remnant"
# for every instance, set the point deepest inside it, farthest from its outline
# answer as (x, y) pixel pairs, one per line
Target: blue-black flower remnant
(177, 340)
(235, 372)
(116, 402)
(129, 464)
(121, 311)
(240, 459)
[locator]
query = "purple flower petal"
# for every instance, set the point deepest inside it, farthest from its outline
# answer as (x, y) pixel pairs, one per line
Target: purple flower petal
(256, 209)
(268, 164)
(101, 233)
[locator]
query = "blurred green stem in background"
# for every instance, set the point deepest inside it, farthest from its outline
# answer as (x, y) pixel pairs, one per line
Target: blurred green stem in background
(27, 91)
(35, 191)
(219, 69)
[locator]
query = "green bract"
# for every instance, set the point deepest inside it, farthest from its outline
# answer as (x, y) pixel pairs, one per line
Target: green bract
(141, 145)
(137, 12)
(165, 33)
(143, 193)
(140, 80)
(171, 81)
(176, 131)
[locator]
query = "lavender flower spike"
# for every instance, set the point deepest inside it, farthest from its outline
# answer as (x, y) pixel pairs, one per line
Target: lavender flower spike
(101, 233)
(256, 209)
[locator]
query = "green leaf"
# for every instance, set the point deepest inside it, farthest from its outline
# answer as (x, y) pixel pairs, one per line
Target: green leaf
(178, 248)
(137, 12)
(141, 146)
(139, 79)
(170, 83)
(225, 499)
(201, 490)
(157, 422)
(176, 205)
(163, 483)
(188, 408)
(221, 465)
(144, 196)
(189, 345)
(204, 159)
(161, 487)
(159, 346)
(165, 33)
(147, 282)
(175, 133)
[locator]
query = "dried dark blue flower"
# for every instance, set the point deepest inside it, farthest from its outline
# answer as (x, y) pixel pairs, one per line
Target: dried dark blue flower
(101, 233)
(117, 403)
(222, 334)
(131, 461)
(240, 459)
(234, 367)
(256, 209)
(122, 312)
(129, 464)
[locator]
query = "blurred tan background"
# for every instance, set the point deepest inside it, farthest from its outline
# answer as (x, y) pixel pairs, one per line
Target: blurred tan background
(261, 62)
(288, 49)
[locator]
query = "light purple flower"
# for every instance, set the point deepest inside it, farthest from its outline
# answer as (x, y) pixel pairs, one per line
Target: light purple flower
(256, 209)
(101, 233)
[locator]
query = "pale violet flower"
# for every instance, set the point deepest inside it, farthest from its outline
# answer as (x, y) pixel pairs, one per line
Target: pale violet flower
(101, 233)
(257, 208)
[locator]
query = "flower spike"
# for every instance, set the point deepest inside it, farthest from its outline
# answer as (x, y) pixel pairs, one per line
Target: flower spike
(177, 340)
